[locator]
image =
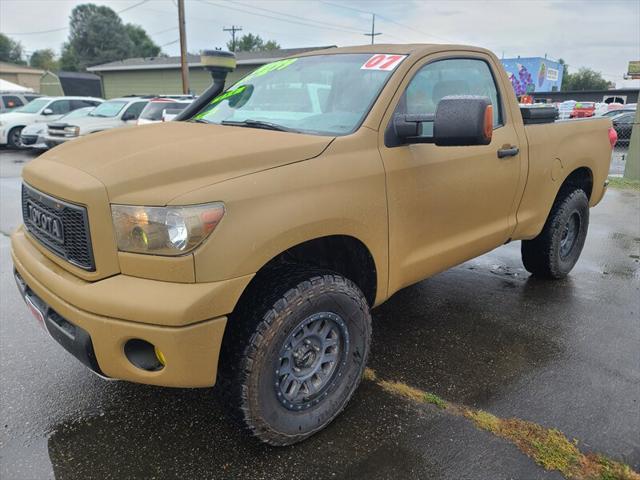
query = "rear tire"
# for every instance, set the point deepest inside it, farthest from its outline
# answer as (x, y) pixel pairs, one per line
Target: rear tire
(292, 357)
(555, 251)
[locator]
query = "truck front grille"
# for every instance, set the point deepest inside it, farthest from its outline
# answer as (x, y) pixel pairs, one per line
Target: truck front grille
(60, 226)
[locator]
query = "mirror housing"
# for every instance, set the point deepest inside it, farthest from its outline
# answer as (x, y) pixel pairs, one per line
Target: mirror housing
(407, 126)
(126, 116)
(458, 121)
(463, 120)
(47, 111)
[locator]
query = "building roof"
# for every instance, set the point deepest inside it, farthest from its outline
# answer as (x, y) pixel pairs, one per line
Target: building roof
(6, 67)
(158, 63)
(76, 75)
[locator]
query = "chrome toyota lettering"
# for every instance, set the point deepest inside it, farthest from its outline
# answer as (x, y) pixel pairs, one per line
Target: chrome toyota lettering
(44, 222)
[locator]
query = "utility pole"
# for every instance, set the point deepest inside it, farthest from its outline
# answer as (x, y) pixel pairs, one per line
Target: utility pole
(233, 31)
(183, 48)
(373, 33)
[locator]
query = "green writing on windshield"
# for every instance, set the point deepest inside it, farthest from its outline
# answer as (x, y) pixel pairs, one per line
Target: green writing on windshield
(269, 67)
(216, 101)
(263, 70)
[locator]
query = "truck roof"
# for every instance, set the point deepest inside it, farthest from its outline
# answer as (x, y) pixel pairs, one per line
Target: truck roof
(400, 49)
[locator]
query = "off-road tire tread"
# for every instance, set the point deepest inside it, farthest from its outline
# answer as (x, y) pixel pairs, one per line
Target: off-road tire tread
(538, 253)
(248, 324)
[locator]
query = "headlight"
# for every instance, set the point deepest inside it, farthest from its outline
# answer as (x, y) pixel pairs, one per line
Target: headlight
(71, 131)
(164, 230)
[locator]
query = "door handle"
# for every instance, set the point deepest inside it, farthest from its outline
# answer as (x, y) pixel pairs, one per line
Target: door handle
(510, 151)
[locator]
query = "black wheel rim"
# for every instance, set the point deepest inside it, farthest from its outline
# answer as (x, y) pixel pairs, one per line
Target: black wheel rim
(310, 361)
(569, 235)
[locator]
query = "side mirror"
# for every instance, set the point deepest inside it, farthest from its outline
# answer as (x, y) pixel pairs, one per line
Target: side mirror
(126, 116)
(458, 121)
(47, 111)
(463, 120)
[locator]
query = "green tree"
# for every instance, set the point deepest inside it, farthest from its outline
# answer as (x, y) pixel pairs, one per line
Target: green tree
(143, 46)
(252, 43)
(10, 50)
(584, 79)
(44, 59)
(96, 35)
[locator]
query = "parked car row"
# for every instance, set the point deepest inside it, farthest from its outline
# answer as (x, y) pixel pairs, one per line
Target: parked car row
(49, 121)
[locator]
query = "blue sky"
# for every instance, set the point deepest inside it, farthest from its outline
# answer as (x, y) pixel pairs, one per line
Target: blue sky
(603, 35)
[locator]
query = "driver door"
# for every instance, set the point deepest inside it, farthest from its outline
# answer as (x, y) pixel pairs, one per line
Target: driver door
(448, 204)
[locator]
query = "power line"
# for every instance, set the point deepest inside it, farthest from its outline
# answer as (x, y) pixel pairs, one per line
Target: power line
(306, 24)
(319, 22)
(163, 31)
(67, 27)
(408, 27)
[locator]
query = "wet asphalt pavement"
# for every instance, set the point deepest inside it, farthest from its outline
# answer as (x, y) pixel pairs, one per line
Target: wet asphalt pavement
(563, 354)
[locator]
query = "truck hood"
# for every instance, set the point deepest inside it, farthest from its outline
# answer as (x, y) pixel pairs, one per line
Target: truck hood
(153, 164)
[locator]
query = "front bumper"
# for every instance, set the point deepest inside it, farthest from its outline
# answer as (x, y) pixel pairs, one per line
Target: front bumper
(54, 140)
(190, 345)
(33, 141)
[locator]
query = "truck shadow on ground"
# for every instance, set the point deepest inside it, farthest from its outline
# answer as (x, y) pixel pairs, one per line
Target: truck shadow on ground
(466, 335)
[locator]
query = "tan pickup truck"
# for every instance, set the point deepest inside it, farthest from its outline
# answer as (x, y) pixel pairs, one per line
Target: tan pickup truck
(246, 244)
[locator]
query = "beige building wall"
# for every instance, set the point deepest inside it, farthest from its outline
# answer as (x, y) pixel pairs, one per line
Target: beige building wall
(21, 75)
(161, 81)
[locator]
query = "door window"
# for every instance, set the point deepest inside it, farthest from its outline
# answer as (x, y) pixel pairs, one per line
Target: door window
(60, 107)
(436, 80)
(11, 102)
(134, 111)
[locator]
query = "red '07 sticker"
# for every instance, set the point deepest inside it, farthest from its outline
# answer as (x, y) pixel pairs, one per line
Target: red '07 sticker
(383, 61)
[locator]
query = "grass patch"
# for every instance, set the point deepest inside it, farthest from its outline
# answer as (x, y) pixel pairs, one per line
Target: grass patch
(548, 447)
(433, 399)
(624, 183)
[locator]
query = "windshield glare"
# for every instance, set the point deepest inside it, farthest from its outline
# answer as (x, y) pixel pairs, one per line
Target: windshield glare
(321, 94)
(108, 109)
(34, 106)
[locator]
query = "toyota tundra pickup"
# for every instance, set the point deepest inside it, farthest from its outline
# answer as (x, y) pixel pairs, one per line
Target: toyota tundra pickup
(245, 244)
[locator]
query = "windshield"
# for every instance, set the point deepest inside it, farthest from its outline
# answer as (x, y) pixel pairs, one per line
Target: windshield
(108, 109)
(321, 94)
(34, 106)
(153, 110)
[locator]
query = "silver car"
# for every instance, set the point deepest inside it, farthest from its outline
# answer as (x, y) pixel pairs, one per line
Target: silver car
(33, 136)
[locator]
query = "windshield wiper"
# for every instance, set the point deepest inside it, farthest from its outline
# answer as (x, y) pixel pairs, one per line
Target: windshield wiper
(258, 124)
(198, 120)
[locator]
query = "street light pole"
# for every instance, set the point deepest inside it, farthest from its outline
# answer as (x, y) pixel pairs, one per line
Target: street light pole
(183, 48)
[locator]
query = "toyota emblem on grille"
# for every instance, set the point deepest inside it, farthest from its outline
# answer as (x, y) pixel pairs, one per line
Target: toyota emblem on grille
(45, 222)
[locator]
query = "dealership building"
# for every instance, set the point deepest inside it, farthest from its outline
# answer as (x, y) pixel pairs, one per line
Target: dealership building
(162, 75)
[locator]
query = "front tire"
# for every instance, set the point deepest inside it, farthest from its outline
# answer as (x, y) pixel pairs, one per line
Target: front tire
(294, 357)
(13, 137)
(555, 251)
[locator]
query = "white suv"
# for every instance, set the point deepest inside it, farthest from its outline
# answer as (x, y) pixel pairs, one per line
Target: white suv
(114, 113)
(43, 109)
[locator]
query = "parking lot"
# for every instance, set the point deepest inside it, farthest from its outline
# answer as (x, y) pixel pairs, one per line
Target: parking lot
(484, 335)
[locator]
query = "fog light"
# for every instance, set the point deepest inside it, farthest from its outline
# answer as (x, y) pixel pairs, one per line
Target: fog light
(144, 355)
(160, 356)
